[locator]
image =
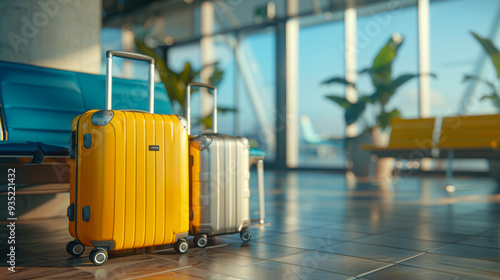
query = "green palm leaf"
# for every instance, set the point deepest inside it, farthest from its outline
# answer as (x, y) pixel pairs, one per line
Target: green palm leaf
(491, 50)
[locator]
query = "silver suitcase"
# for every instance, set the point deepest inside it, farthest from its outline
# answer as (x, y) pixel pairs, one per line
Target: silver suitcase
(219, 181)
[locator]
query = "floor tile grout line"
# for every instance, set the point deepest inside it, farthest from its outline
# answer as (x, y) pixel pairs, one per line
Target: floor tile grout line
(337, 254)
(304, 251)
(310, 268)
(217, 246)
(162, 250)
(364, 258)
(375, 270)
(301, 248)
(252, 257)
(160, 272)
(421, 239)
(480, 246)
(442, 270)
(388, 266)
(394, 247)
(457, 243)
(436, 269)
(409, 258)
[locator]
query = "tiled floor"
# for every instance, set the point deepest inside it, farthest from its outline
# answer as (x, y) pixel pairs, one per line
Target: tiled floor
(318, 226)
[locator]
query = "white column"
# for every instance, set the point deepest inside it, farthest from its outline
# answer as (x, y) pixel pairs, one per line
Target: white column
(292, 84)
(424, 60)
(350, 49)
(424, 67)
(207, 53)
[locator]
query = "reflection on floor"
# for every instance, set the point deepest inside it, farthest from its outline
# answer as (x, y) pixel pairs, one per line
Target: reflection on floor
(317, 227)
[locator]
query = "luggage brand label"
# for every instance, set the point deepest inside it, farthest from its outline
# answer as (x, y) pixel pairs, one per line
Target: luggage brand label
(154, 148)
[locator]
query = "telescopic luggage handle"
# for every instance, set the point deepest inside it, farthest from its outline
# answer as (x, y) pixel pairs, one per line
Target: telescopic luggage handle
(188, 105)
(109, 76)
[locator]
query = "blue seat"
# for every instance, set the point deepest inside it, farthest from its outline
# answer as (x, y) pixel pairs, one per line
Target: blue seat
(53, 150)
(17, 148)
(257, 153)
(127, 94)
(39, 104)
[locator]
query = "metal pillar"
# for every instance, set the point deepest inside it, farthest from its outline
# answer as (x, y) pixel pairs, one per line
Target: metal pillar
(350, 58)
(260, 184)
(424, 60)
(287, 120)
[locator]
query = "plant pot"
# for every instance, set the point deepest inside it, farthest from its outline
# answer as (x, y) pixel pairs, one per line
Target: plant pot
(359, 161)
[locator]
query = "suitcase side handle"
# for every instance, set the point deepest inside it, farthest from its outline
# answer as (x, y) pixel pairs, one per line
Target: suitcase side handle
(109, 76)
(188, 104)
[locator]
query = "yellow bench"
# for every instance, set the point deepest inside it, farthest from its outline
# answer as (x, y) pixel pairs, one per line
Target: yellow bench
(470, 136)
(449, 137)
(409, 139)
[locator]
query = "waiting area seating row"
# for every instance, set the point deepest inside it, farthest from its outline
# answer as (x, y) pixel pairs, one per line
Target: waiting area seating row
(39, 104)
(449, 137)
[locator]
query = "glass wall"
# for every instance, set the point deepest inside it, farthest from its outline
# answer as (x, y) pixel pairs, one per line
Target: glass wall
(248, 59)
(322, 126)
(322, 57)
(454, 54)
(256, 90)
(245, 98)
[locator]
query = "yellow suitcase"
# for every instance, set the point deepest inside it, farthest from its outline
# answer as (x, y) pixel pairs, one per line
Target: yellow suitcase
(129, 177)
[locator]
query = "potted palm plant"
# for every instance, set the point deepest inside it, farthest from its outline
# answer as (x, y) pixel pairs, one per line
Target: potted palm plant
(385, 87)
(175, 83)
(493, 94)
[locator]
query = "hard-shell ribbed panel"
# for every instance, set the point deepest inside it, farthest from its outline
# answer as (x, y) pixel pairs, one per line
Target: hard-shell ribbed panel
(130, 187)
(150, 184)
(140, 181)
(119, 173)
(160, 186)
(171, 198)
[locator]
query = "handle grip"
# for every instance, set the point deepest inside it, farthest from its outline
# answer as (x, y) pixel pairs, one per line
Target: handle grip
(109, 75)
(130, 55)
(188, 104)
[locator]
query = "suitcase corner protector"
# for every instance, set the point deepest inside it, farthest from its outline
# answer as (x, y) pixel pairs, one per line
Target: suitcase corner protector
(110, 244)
(181, 235)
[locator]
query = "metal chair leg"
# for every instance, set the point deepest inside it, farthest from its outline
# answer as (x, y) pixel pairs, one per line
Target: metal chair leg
(449, 169)
(260, 183)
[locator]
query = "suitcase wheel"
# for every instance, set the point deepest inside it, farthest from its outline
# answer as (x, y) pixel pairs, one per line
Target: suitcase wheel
(181, 246)
(98, 256)
(75, 248)
(245, 235)
(200, 240)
